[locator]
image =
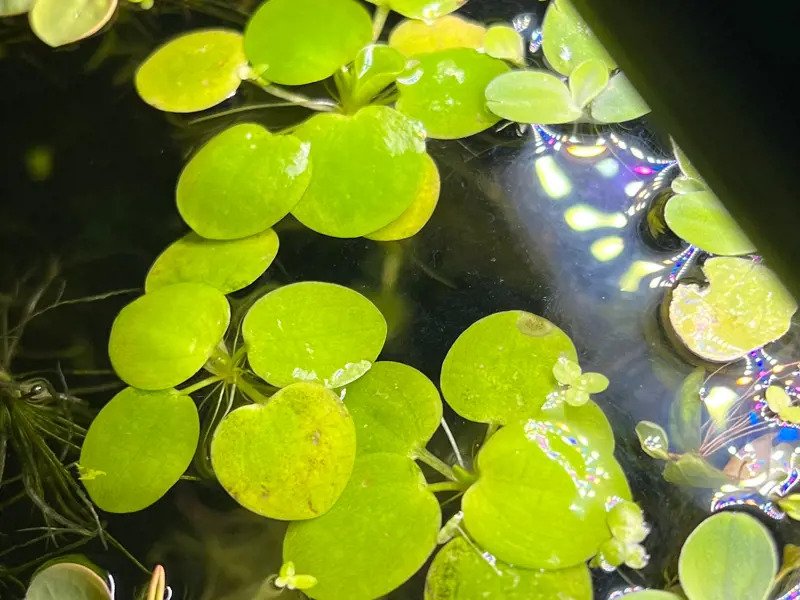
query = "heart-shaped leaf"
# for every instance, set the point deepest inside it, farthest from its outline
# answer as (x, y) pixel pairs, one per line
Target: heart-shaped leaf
(701, 219)
(461, 572)
(412, 37)
(417, 215)
(289, 458)
(541, 496)
(445, 91)
(225, 265)
(67, 581)
(61, 22)
(531, 97)
(137, 447)
(295, 42)
(312, 331)
(504, 42)
(618, 102)
(242, 181)
(376, 536)
(500, 370)
(567, 40)
(395, 409)
(367, 170)
(587, 80)
(712, 565)
(743, 307)
(192, 72)
(162, 338)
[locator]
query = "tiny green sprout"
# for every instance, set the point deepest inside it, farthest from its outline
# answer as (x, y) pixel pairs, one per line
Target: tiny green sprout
(576, 386)
(628, 530)
(626, 522)
(87, 474)
(287, 578)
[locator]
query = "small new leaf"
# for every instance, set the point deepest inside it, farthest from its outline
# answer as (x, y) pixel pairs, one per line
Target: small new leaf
(287, 578)
(653, 439)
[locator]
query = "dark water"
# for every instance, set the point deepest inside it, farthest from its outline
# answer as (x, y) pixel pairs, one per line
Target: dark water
(105, 209)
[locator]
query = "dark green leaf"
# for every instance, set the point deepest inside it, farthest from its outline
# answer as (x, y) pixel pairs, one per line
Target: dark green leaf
(685, 416)
(693, 471)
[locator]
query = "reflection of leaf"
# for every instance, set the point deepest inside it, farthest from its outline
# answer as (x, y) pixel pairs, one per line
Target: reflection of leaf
(694, 471)
(729, 555)
(618, 102)
(790, 561)
(685, 414)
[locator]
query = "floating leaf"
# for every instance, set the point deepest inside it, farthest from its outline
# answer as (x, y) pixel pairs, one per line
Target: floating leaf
(693, 471)
(162, 338)
(300, 41)
(531, 97)
(701, 219)
(367, 168)
(743, 307)
(540, 499)
(225, 265)
(61, 22)
(618, 102)
(310, 331)
(376, 536)
(687, 185)
(445, 90)
(14, 7)
(685, 415)
(504, 42)
(67, 581)
(714, 566)
(422, 9)
(567, 40)
(138, 446)
(500, 369)
(587, 80)
(589, 421)
(461, 572)
(417, 215)
(395, 409)
(412, 37)
(242, 181)
(192, 72)
(289, 458)
(652, 595)
(653, 439)
(375, 68)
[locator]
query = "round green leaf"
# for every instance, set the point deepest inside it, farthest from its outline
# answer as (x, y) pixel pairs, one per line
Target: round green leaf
(375, 68)
(500, 369)
(412, 37)
(531, 97)
(653, 439)
(567, 40)
(504, 42)
(743, 307)
(376, 536)
(395, 409)
(417, 215)
(14, 7)
(60, 22)
(461, 572)
(713, 565)
(541, 496)
(701, 219)
(587, 80)
(445, 90)
(294, 42)
(368, 169)
(289, 458)
(225, 265)
(162, 338)
(193, 72)
(425, 10)
(242, 181)
(137, 447)
(312, 331)
(652, 595)
(67, 581)
(618, 102)
(589, 421)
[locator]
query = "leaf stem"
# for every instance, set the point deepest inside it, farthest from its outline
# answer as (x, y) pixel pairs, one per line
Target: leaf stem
(446, 486)
(379, 20)
(200, 385)
(435, 463)
(491, 429)
(249, 390)
(320, 104)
